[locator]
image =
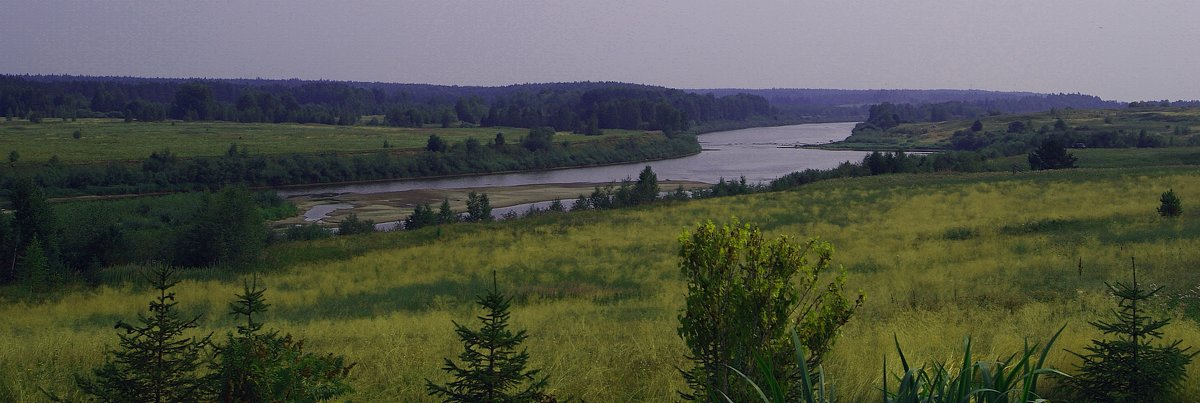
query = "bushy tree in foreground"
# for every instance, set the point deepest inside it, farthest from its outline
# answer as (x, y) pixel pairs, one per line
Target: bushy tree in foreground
(492, 369)
(1127, 367)
(258, 366)
(744, 294)
(155, 362)
(1169, 204)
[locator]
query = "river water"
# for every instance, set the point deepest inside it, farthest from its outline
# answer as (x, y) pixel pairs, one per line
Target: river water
(760, 154)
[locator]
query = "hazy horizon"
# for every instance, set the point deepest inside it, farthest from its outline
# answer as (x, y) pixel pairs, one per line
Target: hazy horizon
(1112, 49)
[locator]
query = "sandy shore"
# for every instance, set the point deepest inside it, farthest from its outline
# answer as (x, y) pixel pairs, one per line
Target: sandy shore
(396, 206)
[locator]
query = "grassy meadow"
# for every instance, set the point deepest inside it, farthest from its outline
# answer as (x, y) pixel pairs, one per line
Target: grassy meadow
(115, 140)
(941, 256)
(936, 135)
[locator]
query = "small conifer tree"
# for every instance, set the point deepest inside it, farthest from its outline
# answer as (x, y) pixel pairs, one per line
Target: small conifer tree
(155, 362)
(445, 214)
(1169, 204)
(1128, 367)
(256, 366)
(492, 370)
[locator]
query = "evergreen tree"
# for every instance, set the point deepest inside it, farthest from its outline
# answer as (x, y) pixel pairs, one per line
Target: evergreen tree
(581, 203)
(478, 207)
(646, 189)
(1169, 204)
(1052, 154)
(445, 214)
(254, 366)
(35, 268)
(492, 370)
(155, 362)
(1129, 368)
(422, 216)
(557, 206)
(352, 225)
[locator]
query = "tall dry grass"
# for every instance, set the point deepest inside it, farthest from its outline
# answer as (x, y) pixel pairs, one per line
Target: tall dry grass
(994, 256)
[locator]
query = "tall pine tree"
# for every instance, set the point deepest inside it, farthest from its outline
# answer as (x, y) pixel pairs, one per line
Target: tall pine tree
(492, 370)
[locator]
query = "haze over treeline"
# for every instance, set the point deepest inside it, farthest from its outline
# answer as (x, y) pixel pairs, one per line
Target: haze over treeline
(583, 107)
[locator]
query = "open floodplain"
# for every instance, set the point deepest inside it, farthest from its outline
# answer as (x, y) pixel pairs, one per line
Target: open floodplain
(1000, 257)
(104, 140)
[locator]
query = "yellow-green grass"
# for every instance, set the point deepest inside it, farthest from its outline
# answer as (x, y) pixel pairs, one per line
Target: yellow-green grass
(994, 256)
(115, 140)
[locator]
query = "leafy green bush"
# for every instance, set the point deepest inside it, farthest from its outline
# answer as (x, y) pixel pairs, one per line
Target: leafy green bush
(744, 294)
(352, 225)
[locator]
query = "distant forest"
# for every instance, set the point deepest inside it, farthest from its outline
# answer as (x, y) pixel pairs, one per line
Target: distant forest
(584, 107)
(916, 105)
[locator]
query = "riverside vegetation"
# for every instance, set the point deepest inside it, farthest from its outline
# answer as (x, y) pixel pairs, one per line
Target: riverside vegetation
(939, 256)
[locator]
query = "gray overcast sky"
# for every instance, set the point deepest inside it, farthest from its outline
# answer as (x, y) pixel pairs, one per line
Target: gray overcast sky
(1116, 49)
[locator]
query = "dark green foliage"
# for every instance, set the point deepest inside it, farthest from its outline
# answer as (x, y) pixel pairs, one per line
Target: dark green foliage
(227, 230)
(35, 274)
(164, 171)
(539, 138)
(581, 203)
(1052, 154)
(34, 221)
(1169, 204)
(194, 101)
(479, 208)
(13, 157)
(646, 189)
(352, 225)
(155, 362)
(1016, 126)
(435, 144)
(492, 370)
(76, 134)
(422, 216)
(744, 294)
(306, 232)
(256, 366)
(556, 206)
(445, 214)
(1127, 367)
(498, 142)
(977, 126)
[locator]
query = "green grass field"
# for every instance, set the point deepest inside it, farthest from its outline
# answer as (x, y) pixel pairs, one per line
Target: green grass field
(115, 140)
(994, 256)
(934, 135)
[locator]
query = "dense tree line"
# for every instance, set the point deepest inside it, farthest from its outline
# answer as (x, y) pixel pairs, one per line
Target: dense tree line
(43, 245)
(887, 115)
(581, 107)
(164, 171)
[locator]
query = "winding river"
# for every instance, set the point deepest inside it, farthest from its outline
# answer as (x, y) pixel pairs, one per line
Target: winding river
(760, 154)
